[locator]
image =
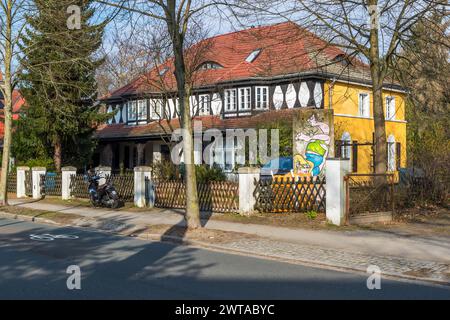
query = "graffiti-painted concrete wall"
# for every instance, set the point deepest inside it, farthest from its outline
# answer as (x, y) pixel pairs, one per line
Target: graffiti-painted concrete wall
(313, 141)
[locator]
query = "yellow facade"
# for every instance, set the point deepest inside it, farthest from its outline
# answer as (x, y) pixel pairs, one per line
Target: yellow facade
(343, 98)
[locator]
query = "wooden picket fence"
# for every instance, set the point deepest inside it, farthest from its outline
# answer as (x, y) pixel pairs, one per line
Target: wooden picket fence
(79, 186)
(52, 183)
(214, 196)
(124, 184)
(290, 194)
(369, 193)
(12, 181)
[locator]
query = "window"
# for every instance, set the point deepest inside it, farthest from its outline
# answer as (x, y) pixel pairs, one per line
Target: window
(132, 111)
(253, 55)
(262, 97)
(230, 100)
(110, 110)
(390, 108)
(210, 65)
(156, 109)
(142, 110)
(245, 98)
(343, 59)
(163, 71)
(346, 148)
(364, 105)
(391, 153)
(204, 105)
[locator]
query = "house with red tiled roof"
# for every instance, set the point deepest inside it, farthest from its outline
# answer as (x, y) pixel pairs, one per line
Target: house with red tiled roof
(18, 102)
(245, 78)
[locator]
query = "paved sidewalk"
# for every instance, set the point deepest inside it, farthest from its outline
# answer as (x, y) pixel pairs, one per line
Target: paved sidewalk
(420, 257)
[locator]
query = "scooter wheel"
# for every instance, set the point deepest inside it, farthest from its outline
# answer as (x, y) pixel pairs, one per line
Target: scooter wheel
(115, 204)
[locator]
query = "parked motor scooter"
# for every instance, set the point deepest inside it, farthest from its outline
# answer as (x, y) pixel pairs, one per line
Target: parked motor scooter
(104, 195)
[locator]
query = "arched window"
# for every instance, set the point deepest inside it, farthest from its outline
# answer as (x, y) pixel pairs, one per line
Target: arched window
(346, 148)
(110, 110)
(209, 65)
(391, 153)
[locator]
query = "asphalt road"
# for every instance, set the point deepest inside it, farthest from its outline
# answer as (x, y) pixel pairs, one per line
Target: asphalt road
(126, 268)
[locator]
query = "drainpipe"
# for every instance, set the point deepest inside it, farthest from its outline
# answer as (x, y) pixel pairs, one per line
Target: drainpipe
(330, 94)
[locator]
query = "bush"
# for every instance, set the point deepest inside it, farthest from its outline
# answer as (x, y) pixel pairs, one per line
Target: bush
(165, 171)
(205, 173)
(46, 163)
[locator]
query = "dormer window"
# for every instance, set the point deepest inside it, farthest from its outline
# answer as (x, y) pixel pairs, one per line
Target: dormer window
(342, 59)
(163, 71)
(253, 55)
(209, 65)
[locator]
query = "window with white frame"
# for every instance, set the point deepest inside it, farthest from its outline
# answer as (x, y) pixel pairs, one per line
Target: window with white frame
(391, 153)
(204, 104)
(156, 109)
(245, 98)
(390, 108)
(230, 100)
(262, 98)
(346, 149)
(132, 111)
(364, 105)
(142, 110)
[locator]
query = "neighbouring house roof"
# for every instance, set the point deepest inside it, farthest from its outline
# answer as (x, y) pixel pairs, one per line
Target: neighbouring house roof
(156, 129)
(18, 102)
(285, 49)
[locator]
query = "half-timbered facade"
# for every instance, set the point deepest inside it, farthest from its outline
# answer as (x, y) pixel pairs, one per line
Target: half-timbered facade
(242, 79)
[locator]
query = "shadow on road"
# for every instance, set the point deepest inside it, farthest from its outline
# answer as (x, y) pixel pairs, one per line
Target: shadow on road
(115, 267)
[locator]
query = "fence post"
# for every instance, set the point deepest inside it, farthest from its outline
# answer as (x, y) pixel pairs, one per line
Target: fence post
(336, 169)
(21, 172)
(36, 173)
(142, 183)
(247, 177)
(103, 171)
(66, 174)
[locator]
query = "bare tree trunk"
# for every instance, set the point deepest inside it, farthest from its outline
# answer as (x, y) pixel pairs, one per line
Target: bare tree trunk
(380, 130)
(6, 142)
(192, 215)
(377, 92)
(57, 153)
(7, 111)
(192, 208)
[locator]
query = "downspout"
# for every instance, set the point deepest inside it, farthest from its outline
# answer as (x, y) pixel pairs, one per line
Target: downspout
(330, 94)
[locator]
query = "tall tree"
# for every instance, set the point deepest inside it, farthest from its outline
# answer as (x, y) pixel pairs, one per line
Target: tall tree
(178, 17)
(424, 69)
(11, 26)
(59, 75)
(371, 29)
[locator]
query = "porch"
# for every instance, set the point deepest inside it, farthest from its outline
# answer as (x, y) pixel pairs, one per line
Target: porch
(125, 155)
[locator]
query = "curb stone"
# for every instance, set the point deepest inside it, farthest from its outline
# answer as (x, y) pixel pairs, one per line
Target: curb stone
(130, 231)
(306, 262)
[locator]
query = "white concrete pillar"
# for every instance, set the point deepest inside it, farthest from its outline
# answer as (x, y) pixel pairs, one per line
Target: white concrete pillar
(248, 179)
(143, 187)
(103, 172)
(156, 152)
(66, 174)
(36, 173)
(335, 171)
(21, 172)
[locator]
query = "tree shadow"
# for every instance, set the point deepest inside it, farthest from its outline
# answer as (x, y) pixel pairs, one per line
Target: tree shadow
(115, 267)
